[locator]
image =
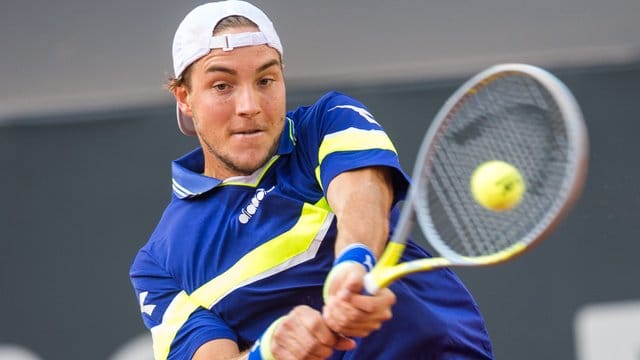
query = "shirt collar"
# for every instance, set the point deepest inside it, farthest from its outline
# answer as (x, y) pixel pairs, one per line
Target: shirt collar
(188, 180)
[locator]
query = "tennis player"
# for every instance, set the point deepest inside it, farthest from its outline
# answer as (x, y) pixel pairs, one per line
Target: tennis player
(272, 206)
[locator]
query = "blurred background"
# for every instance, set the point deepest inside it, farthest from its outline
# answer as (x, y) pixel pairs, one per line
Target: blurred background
(87, 135)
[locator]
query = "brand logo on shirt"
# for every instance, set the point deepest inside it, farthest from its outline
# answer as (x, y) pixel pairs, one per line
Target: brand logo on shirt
(250, 210)
(361, 111)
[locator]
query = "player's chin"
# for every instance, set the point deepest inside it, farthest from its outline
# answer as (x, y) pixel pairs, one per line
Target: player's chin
(250, 161)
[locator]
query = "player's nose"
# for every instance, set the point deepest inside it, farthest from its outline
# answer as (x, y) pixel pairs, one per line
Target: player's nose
(247, 102)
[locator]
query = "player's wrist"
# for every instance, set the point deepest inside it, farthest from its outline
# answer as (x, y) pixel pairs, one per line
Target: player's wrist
(356, 253)
(261, 350)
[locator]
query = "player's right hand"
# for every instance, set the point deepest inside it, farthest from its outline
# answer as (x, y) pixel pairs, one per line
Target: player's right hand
(303, 335)
(349, 312)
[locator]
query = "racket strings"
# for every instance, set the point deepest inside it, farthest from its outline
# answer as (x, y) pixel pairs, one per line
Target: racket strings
(510, 118)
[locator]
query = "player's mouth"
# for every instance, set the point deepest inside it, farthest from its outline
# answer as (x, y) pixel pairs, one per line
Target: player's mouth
(247, 134)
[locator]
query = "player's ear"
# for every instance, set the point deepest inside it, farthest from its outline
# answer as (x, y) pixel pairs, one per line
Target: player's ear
(181, 93)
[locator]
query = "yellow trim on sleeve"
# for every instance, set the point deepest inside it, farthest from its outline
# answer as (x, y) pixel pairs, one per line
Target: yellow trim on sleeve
(352, 139)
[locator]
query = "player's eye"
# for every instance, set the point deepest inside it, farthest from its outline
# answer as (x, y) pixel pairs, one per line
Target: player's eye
(265, 82)
(221, 86)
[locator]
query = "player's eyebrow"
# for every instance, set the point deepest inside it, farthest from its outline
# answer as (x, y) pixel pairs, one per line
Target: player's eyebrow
(268, 64)
(224, 69)
(218, 68)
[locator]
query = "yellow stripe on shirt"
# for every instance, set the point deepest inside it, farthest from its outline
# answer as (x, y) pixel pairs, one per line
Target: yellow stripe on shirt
(177, 313)
(274, 256)
(298, 244)
(352, 139)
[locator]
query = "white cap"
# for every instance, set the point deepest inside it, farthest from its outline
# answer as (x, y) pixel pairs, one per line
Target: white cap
(194, 39)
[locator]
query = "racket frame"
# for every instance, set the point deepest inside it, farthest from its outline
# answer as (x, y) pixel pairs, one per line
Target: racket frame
(388, 270)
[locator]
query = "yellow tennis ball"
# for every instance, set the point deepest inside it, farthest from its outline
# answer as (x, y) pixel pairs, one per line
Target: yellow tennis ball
(497, 185)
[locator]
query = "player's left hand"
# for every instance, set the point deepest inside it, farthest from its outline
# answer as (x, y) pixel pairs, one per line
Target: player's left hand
(347, 310)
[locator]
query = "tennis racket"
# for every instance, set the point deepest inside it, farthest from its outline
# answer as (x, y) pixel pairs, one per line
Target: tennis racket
(516, 113)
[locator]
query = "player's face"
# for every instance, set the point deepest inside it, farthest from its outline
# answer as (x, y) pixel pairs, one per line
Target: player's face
(237, 101)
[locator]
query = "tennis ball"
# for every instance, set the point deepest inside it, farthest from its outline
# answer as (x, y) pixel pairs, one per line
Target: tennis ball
(497, 185)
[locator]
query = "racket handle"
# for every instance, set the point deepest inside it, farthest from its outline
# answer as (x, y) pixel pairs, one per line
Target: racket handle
(370, 285)
(379, 277)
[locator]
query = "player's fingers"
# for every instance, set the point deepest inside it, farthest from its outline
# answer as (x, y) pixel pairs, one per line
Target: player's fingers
(360, 330)
(353, 282)
(288, 339)
(382, 301)
(359, 315)
(344, 279)
(305, 336)
(350, 322)
(283, 344)
(345, 344)
(353, 306)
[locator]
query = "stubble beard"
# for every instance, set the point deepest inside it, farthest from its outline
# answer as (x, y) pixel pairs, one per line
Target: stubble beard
(236, 167)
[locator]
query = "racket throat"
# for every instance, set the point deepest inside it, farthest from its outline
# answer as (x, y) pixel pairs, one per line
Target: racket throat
(391, 254)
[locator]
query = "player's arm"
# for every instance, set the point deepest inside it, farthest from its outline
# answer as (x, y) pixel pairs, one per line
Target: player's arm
(361, 200)
(218, 349)
(300, 335)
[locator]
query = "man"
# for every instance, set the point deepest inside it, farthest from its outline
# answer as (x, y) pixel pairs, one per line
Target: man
(274, 207)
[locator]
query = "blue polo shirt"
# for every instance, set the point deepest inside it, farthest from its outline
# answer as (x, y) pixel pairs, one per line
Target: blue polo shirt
(229, 257)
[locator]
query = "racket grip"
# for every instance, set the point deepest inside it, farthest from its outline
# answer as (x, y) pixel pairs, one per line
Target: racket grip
(370, 285)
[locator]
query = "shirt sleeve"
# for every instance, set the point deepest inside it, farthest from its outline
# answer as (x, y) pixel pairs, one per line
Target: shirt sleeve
(342, 135)
(178, 325)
